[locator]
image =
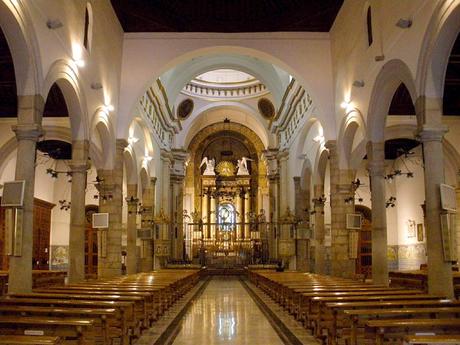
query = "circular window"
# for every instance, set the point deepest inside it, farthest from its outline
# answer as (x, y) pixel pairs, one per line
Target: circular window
(185, 109)
(266, 108)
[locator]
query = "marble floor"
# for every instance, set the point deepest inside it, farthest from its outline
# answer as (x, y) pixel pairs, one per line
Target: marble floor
(225, 314)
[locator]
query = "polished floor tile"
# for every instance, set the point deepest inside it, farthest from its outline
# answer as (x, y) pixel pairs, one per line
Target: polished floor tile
(225, 314)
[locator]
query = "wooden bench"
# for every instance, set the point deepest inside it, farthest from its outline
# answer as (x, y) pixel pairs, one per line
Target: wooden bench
(130, 326)
(108, 323)
(432, 339)
(394, 330)
(357, 318)
(29, 340)
(73, 331)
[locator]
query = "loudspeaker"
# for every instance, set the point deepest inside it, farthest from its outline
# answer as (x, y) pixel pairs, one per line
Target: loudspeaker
(100, 220)
(13, 194)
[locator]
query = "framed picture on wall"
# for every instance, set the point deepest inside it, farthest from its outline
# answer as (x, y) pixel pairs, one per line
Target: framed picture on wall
(420, 232)
(411, 231)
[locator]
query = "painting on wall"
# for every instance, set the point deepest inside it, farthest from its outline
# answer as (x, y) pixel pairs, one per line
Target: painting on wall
(420, 232)
(411, 230)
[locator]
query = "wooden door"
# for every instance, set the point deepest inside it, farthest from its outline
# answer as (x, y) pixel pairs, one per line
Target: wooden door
(90, 243)
(364, 262)
(41, 234)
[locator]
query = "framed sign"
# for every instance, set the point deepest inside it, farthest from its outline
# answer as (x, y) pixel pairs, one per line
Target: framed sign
(420, 232)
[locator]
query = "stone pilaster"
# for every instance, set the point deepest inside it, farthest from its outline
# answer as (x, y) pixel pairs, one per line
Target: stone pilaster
(79, 167)
(148, 205)
(439, 271)
(131, 228)
(109, 265)
(457, 220)
(376, 166)
(283, 158)
(320, 250)
(28, 131)
(341, 189)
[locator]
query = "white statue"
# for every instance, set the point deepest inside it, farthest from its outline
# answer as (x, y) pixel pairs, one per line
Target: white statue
(243, 166)
(210, 163)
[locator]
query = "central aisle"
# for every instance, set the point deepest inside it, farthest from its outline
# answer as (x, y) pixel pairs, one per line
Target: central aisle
(225, 314)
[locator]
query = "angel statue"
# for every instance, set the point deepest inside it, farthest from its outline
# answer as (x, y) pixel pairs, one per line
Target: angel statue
(243, 166)
(210, 163)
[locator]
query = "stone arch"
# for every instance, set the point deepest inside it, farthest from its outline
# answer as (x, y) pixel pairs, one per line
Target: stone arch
(143, 179)
(51, 132)
(319, 172)
(257, 126)
(391, 75)
(350, 127)
(16, 25)
(66, 78)
(130, 162)
(440, 36)
(102, 145)
(129, 104)
(306, 177)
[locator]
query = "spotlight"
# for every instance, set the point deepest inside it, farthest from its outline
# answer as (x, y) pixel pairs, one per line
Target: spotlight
(53, 24)
(358, 83)
(404, 23)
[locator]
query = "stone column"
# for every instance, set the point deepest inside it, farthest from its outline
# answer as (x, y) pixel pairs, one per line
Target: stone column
(274, 201)
(148, 205)
(110, 265)
(439, 271)
(457, 220)
(239, 217)
(283, 173)
(79, 167)
(28, 131)
(212, 217)
(320, 250)
(376, 166)
(204, 213)
(247, 211)
(341, 189)
(131, 235)
(166, 160)
(177, 178)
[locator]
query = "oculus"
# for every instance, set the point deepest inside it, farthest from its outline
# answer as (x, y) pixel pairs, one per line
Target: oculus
(266, 108)
(185, 109)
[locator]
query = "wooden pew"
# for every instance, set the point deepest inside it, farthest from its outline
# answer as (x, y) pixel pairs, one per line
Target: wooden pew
(394, 330)
(107, 322)
(130, 326)
(333, 311)
(432, 339)
(73, 331)
(29, 340)
(357, 318)
(140, 310)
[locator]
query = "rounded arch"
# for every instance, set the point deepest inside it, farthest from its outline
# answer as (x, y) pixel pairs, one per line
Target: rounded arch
(129, 103)
(437, 44)
(130, 162)
(308, 126)
(391, 75)
(239, 115)
(351, 126)
(16, 25)
(51, 132)
(319, 172)
(102, 143)
(66, 78)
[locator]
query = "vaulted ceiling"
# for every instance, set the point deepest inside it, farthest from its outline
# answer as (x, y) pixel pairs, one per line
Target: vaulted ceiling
(226, 16)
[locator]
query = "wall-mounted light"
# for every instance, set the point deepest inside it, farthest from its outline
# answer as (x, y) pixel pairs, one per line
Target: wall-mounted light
(404, 23)
(358, 83)
(345, 104)
(380, 57)
(77, 55)
(108, 108)
(132, 140)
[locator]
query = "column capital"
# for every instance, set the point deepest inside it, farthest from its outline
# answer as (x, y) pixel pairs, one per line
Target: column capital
(283, 156)
(432, 133)
(132, 201)
(79, 166)
(153, 180)
(32, 131)
(121, 144)
(331, 145)
(166, 156)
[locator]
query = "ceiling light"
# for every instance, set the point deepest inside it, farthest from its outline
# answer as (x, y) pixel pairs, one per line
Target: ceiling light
(80, 62)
